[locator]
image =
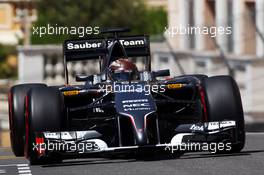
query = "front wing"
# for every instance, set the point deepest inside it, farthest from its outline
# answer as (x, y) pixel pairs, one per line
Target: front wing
(187, 136)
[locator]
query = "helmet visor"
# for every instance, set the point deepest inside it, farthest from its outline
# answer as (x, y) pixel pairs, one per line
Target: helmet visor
(122, 76)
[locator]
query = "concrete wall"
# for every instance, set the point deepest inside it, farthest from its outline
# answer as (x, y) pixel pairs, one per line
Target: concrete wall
(246, 18)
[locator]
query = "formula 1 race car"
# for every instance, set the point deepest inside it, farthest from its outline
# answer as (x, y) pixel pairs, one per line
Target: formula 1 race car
(122, 109)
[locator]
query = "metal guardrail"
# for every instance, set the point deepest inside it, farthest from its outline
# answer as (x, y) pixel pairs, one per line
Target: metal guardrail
(4, 123)
(4, 87)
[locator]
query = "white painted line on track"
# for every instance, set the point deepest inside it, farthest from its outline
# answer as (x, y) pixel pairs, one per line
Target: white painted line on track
(9, 165)
(2, 171)
(22, 164)
(23, 169)
(254, 133)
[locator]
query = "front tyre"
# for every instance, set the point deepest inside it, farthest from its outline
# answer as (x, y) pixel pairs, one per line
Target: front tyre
(44, 112)
(223, 102)
(16, 116)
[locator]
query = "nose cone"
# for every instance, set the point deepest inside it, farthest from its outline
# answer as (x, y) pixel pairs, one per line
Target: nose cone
(141, 137)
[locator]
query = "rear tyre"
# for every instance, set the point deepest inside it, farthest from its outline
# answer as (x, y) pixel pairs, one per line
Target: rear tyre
(16, 116)
(223, 102)
(44, 112)
(200, 77)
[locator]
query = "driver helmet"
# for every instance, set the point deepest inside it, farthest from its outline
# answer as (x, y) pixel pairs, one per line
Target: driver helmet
(123, 69)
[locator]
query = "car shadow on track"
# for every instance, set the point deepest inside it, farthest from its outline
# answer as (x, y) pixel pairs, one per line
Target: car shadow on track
(77, 162)
(114, 159)
(209, 155)
(138, 158)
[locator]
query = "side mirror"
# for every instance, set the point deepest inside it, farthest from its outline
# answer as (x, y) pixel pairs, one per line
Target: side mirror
(161, 73)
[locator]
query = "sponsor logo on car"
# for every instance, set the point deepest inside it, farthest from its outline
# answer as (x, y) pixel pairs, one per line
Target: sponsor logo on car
(197, 128)
(94, 45)
(86, 45)
(71, 93)
(175, 86)
(136, 105)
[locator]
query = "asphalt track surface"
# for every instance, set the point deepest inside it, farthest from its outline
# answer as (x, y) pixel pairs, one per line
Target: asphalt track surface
(249, 161)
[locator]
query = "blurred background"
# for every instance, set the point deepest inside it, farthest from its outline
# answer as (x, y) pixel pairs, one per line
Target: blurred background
(25, 57)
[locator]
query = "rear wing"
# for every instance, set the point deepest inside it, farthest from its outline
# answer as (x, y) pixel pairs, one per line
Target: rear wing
(85, 49)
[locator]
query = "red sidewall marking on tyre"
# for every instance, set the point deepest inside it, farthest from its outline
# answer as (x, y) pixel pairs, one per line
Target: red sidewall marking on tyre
(202, 95)
(27, 129)
(10, 110)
